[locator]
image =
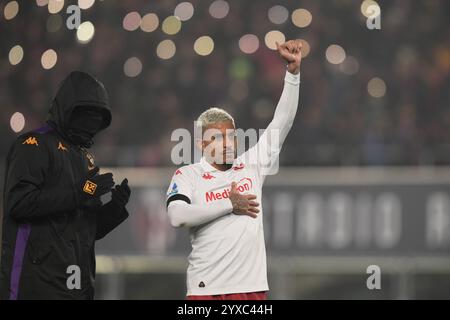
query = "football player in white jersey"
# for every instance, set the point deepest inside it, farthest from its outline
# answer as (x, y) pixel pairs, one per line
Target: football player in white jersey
(219, 198)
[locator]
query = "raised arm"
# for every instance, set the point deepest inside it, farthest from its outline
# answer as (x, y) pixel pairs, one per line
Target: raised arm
(287, 105)
(266, 152)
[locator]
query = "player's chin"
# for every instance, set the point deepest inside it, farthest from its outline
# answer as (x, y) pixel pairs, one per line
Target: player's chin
(228, 158)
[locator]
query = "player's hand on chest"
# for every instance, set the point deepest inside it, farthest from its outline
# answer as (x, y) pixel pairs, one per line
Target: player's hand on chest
(212, 186)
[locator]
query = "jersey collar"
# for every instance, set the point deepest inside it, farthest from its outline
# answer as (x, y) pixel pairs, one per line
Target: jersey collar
(207, 167)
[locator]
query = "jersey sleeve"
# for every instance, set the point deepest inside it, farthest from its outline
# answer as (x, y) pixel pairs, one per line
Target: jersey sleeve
(265, 154)
(180, 188)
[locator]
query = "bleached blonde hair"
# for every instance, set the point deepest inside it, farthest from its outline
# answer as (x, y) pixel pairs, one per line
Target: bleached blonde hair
(211, 116)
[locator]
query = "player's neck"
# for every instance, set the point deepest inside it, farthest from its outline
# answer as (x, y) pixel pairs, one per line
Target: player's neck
(222, 167)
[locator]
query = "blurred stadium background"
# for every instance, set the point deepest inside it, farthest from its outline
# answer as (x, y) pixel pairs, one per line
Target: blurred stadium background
(365, 176)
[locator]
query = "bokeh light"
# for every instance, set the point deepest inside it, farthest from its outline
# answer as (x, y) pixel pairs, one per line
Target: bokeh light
(171, 25)
(166, 49)
(132, 67)
(238, 90)
(376, 87)
(85, 4)
(55, 6)
(301, 18)
(15, 55)
(366, 4)
(272, 37)
(204, 46)
(42, 3)
(150, 22)
(131, 21)
(335, 54)
(350, 66)
(262, 109)
(49, 59)
(240, 68)
(17, 122)
(11, 10)
(278, 14)
(54, 23)
(184, 11)
(219, 9)
(306, 48)
(85, 32)
(249, 43)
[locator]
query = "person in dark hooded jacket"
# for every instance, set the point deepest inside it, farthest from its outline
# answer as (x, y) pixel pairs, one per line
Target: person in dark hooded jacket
(52, 209)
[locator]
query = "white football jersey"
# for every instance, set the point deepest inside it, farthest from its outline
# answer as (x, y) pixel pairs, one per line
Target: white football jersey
(228, 254)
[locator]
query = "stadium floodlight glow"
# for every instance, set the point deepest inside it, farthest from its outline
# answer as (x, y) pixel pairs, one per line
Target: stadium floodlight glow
(278, 14)
(204, 45)
(11, 10)
(85, 4)
(249, 43)
(17, 122)
(149, 22)
(301, 18)
(15, 55)
(132, 67)
(171, 25)
(55, 6)
(219, 9)
(184, 11)
(131, 21)
(166, 49)
(335, 54)
(85, 32)
(376, 87)
(49, 59)
(272, 37)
